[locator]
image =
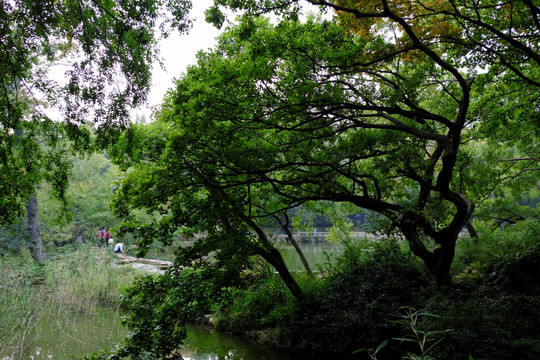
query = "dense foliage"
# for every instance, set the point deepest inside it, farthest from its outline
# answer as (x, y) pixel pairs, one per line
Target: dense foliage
(420, 112)
(270, 119)
(92, 182)
(375, 293)
(424, 113)
(106, 49)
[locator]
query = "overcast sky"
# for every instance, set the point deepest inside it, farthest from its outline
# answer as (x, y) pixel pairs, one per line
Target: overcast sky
(178, 51)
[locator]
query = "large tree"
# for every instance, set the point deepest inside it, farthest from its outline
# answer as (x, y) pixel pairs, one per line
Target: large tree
(109, 46)
(486, 61)
(374, 109)
(173, 179)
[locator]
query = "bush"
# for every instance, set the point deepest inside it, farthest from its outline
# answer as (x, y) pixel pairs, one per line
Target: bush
(362, 295)
(499, 318)
(487, 327)
(518, 271)
(496, 243)
(265, 304)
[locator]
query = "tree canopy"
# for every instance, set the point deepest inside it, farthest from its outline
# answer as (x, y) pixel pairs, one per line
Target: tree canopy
(378, 107)
(109, 48)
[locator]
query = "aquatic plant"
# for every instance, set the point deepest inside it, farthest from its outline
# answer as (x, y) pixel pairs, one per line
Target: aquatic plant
(74, 281)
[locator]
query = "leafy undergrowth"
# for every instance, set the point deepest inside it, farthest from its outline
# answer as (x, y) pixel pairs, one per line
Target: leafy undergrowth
(492, 312)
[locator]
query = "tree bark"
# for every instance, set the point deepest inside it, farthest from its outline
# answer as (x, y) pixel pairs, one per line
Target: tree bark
(472, 231)
(36, 244)
(440, 260)
(444, 256)
(272, 256)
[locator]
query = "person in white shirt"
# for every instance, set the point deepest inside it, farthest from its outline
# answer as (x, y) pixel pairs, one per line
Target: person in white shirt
(119, 248)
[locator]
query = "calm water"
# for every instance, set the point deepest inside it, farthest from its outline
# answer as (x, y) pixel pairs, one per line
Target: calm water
(204, 344)
(74, 334)
(65, 335)
(68, 335)
(317, 255)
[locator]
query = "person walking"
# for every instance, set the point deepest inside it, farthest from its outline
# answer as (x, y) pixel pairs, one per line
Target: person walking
(108, 239)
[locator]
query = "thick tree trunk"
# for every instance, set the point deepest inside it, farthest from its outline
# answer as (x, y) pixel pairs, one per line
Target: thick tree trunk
(440, 260)
(35, 245)
(444, 256)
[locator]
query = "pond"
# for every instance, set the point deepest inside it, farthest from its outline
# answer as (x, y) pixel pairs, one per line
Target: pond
(66, 335)
(318, 255)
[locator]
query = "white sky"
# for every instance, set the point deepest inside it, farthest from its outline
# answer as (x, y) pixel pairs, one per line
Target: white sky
(178, 51)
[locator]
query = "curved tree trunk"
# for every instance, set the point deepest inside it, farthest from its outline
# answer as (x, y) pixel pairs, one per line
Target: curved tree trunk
(36, 244)
(438, 261)
(284, 223)
(273, 257)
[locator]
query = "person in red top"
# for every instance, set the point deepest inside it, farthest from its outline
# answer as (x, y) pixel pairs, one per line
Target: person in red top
(101, 236)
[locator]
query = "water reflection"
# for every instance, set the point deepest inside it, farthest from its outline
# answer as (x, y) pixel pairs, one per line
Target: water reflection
(317, 255)
(205, 344)
(68, 334)
(65, 335)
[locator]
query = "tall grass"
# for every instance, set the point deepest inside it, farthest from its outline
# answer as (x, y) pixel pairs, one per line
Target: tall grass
(87, 277)
(75, 280)
(20, 309)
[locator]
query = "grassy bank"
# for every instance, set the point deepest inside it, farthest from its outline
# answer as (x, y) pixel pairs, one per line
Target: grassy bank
(73, 280)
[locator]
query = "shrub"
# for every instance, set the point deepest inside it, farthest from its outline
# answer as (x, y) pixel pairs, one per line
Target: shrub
(362, 295)
(487, 327)
(496, 243)
(515, 271)
(500, 318)
(265, 304)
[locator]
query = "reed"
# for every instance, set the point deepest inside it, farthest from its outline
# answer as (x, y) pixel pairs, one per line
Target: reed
(75, 280)
(88, 277)
(21, 304)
